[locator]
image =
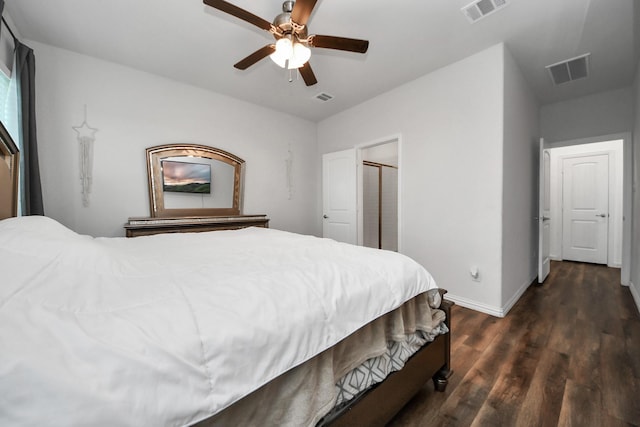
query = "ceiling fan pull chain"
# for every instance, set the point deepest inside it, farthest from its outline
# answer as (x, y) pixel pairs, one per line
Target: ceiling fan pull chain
(291, 75)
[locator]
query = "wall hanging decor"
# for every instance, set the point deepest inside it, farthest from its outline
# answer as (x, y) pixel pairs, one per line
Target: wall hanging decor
(86, 138)
(289, 171)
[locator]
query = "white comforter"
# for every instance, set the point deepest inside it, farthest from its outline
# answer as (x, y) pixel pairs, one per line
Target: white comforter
(170, 329)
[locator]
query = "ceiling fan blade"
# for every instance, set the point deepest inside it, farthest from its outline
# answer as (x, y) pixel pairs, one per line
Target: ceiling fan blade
(307, 74)
(255, 57)
(339, 43)
(239, 13)
(302, 10)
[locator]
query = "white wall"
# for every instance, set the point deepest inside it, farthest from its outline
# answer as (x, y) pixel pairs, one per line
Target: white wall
(615, 151)
(386, 154)
(450, 125)
(135, 110)
(604, 113)
(635, 248)
(520, 181)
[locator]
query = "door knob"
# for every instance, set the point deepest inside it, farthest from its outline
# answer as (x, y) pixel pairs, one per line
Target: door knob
(325, 216)
(602, 215)
(545, 218)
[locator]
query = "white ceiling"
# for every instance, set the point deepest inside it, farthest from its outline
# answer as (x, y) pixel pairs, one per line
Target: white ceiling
(188, 41)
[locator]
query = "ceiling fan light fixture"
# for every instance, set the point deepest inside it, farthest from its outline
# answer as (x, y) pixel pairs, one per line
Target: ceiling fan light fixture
(295, 53)
(301, 55)
(284, 50)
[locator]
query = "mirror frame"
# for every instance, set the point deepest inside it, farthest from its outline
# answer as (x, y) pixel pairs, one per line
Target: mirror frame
(154, 170)
(9, 162)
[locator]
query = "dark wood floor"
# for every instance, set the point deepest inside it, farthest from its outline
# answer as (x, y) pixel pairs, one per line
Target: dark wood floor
(567, 354)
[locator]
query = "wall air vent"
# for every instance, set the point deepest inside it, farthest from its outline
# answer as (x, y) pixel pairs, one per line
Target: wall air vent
(569, 70)
(481, 8)
(324, 97)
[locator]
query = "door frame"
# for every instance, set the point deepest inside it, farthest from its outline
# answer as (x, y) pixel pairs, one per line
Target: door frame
(627, 154)
(360, 182)
(544, 215)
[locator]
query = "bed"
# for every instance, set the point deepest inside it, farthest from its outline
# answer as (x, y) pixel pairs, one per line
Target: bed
(247, 327)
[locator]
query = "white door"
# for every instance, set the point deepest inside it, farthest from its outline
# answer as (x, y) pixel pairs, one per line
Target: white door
(544, 215)
(585, 204)
(339, 196)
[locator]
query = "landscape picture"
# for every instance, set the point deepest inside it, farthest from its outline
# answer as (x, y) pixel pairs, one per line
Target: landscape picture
(183, 177)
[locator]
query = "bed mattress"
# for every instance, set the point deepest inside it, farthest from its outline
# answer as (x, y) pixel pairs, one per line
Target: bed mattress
(98, 331)
(310, 393)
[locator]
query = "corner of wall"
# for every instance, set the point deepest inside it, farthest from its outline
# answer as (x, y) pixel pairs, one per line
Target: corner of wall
(635, 294)
(520, 132)
(634, 284)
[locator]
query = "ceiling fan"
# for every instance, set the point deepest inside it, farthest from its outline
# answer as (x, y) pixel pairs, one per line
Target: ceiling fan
(291, 49)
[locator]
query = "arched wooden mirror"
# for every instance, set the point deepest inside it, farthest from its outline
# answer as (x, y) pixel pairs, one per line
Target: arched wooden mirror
(194, 180)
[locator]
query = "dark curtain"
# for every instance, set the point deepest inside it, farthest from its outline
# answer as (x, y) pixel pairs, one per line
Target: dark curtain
(25, 68)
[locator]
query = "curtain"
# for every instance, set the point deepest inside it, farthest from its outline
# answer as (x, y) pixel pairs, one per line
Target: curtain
(25, 69)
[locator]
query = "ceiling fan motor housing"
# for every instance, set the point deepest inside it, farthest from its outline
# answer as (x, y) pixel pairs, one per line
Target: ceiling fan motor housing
(287, 6)
(283, 22)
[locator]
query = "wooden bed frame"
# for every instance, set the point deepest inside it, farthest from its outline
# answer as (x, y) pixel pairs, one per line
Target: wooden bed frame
(375, 407)
(383, 401)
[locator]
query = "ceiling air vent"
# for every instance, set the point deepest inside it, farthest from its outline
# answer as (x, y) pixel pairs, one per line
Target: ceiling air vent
(481, 8)
(324, 97)
(570, 69)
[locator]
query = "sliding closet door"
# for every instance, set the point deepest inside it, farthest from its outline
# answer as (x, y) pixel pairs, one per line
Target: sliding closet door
(371, 206)
(380, 206)
(389, 208)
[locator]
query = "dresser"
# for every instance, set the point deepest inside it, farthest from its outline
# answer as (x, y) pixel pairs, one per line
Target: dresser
(145, 226)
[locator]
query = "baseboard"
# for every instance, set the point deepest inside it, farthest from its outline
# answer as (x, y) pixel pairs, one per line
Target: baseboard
(502, 312)
(635, 294)
(474, 305)
(489, 309)
(514, 299)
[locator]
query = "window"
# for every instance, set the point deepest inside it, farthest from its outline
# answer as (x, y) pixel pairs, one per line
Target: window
(5, 82)
(8, 94)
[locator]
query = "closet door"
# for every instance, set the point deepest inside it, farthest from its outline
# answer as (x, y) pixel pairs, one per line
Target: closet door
(389, 209)
(370, 206)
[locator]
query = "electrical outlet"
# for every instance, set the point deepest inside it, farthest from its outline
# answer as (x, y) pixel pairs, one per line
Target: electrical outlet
(475, 273)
